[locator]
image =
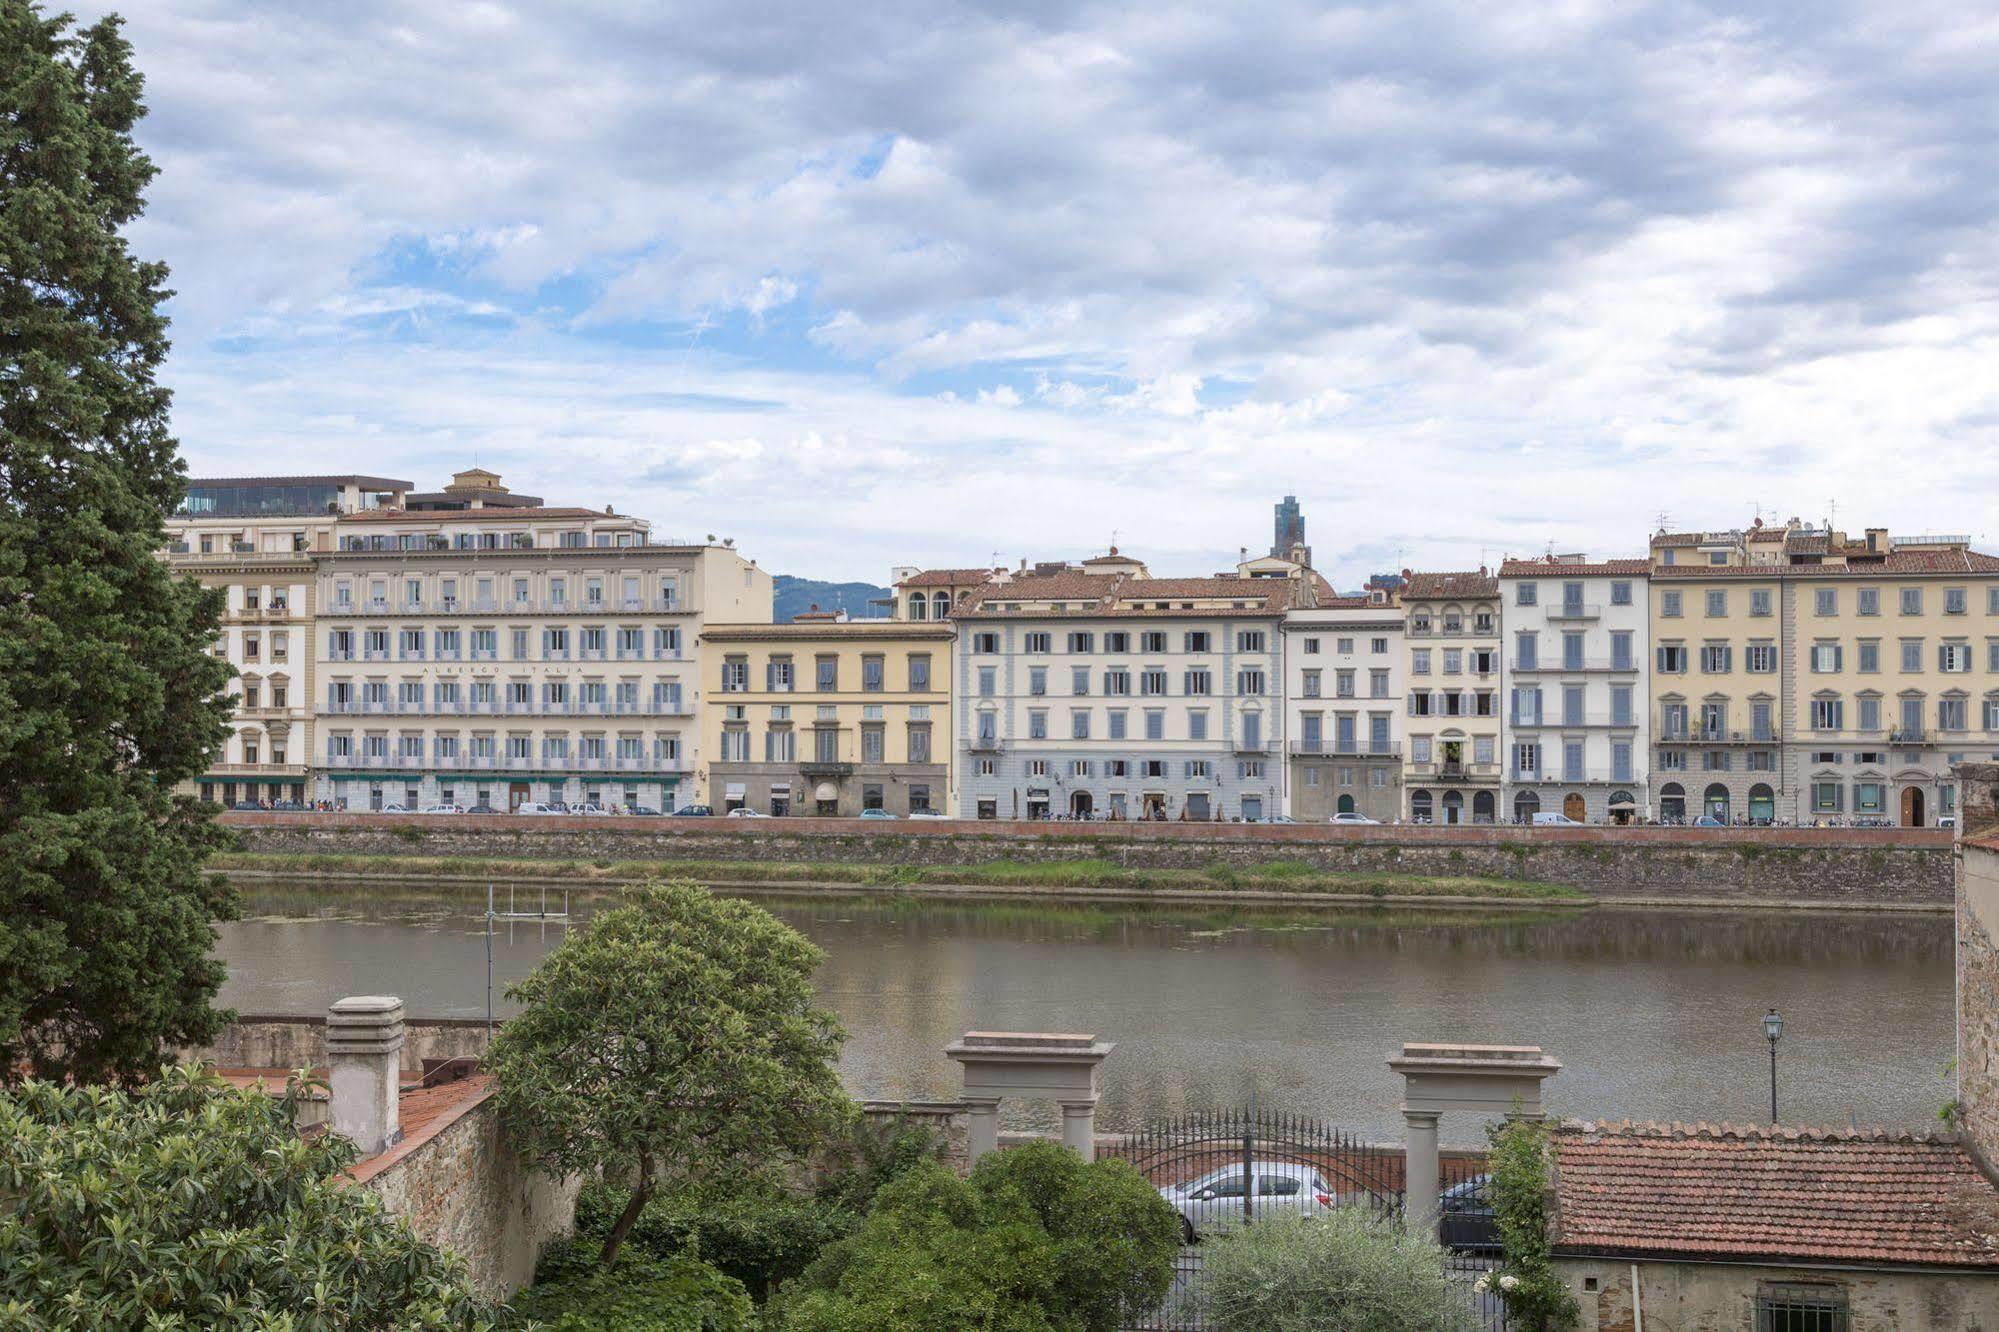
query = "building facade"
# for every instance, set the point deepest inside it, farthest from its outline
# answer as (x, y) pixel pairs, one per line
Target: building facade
(255, 539)
(828, 718)
(1574, 679)
(1094, 690)
(1343, 674)
(487, 657)
(1451, 765)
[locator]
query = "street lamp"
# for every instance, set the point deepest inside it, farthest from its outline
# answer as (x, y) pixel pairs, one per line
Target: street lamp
(1773, 1030)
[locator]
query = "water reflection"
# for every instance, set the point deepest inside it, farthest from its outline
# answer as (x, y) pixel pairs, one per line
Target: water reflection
(1654, 1014)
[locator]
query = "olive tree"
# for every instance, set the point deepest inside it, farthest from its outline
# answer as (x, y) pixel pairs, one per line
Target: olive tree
(188, 1203)
(672, 1041)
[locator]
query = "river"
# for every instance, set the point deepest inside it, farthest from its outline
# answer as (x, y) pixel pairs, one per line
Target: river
(1654, 1014)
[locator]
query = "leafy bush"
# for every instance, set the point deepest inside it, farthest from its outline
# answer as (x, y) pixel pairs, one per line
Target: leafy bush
(644, 1293)
(1344, 1271)
(853, 1164)
(758, 1235)
(1536, 1298)
(1034, 1241)
(188, 1203)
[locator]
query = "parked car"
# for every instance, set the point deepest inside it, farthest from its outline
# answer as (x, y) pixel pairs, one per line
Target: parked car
(693, 812)
(1216, 1198)
(876, 814)
(1946, 820)
(539, 807)
(1280, 818)
(558, 807)
(293, 804)
(443, 809)
(1465, 1220)
(1555, 820)
(927, 814)
(745, 812)
(392, 809)
(482, 809)
(588, 807)
(246, 804)
(1709, 821)
(1352, 817)
(642, 811)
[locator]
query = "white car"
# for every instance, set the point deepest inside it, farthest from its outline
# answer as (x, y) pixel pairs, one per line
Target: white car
(1351, 817)
(444, 809)
(587, 808)
(745, 812)
(1559, 820)
(925, 814)
(1216, 1198)
(536, 807)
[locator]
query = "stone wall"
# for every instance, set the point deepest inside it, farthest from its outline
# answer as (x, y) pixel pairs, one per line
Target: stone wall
(1978, 959)
(1859, 865)
(266, 1040)
(1720, 1297)
(463, 1189)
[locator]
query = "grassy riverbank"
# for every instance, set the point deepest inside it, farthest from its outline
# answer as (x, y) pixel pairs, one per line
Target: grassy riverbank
(1083, 875)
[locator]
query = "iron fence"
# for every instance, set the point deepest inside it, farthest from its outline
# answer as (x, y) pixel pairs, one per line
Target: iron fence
(1232, 1167)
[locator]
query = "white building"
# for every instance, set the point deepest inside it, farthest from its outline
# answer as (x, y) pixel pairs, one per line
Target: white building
(1575, 682)
(1343, 698)
(1451, 772)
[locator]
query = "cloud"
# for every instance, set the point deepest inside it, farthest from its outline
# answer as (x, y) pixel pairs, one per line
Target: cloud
(1463, 279)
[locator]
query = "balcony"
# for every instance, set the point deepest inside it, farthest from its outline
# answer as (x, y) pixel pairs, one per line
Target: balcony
(1573, 722)
(1708, 735)
(1571, 666)
(1446, 771)
(1256, 746)
(1346, 749)
(985, 744)
(1575, 610)
(824, 768)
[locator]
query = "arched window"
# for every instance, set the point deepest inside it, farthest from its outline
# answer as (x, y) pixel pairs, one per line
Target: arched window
(1346, 805)
(940, 605)
(1714, 801)
(1454, 807)
(1672, 803)
(919, 607)
(1525, 806)
(1481, 807)
(1420, 806)
(1762, 803)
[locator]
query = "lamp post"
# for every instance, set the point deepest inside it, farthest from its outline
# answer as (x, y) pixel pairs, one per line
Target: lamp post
(1773, 1030)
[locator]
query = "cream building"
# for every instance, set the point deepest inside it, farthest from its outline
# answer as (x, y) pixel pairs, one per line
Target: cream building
(827, 717)
(487, 655)
(1344, 678)
(1574, 679)
(1846, 676)
(1451, 763)
(256, 539)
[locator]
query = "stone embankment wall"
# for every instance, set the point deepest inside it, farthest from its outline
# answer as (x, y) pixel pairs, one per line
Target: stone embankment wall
(1860, 865)
(265, 1040)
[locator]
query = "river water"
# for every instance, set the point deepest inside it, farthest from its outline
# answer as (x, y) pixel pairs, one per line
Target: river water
(1654, 1015)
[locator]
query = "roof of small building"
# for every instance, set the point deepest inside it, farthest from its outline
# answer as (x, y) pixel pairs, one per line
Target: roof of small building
(1895, 564)
(1678, 538)
(1549, 566)
(1099, 595)
(947, 577)
(501, 514)
(1457, 585)
(1727, 1193)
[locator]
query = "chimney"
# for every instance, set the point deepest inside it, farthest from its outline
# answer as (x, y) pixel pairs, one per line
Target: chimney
(364, 1041)
(1877, 539)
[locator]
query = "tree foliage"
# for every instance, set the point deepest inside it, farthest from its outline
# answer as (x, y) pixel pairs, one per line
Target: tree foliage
(1035, 1241)
(647, 1292)
(1536, 1298)
(674, 1041)
(108, 697)
(1343, 1271)
(188, 1204)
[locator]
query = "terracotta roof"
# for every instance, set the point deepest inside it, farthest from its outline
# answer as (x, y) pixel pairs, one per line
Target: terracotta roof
(1459, 585)
(1122, 595)
(1808, 543)
(1678, 538)
(1553, 568)
(470, 515)
(826, 631)
(947, 577)
(1896, 564)
(1727, 1193)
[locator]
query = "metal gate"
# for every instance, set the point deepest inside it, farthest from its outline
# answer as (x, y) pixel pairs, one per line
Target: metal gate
(1230, 1167)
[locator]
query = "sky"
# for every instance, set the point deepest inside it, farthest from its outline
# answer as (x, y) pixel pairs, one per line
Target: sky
(873, 284)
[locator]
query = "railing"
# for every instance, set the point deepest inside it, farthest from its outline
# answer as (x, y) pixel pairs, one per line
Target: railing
(1575, 610)
(1571, 665)
(1460, 771)
(1346, 749)
(985, 744)
(824, 768)
(1579, 721)
(1709, 735)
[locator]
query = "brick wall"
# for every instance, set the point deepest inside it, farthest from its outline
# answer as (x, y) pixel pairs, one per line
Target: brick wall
(1892, 865)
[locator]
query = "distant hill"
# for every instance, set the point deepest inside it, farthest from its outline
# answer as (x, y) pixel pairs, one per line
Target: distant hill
(794, 596)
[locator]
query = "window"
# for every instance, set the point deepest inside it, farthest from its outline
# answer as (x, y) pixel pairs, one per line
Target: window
(1620, 594)
(1117, 681)
(1912, 655)
(1759, 601)
(1827, 798)
(1954, 657)
(1311, 647)
(1869, 660)
(1082, 641)
(1037, 724)
(1152, 640)
(1953, 601)
(1669, 605)
(1419, 662)
(1825, 658)
(1526, 594)
(919, 674)
(1194, 640)
(1249, 682)
(1152, 682)
(1950, 714)
(1079, 680)
(1199, 682)
(1118, 641)
(1672, 659)
(1197, 725)
(1912, 601)
(1760, 659)
(874, 673)
(987, 642)
(1079, 724)
(1825, 601)
(1155, 725)
(1377, 684)
(1716, 658)
(1117, 724)
(1038, 642)
(1717, 604)
(1249, 640)
(1828, 714)
(826, 674)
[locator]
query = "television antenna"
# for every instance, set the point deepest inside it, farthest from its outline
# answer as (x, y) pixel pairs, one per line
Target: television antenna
(544, 916)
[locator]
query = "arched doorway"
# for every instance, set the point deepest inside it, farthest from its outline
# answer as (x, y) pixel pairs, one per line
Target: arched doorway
(1912, 807)
(1714, 802)
(1080, 804)
(1525, 806)
(1419, 806)
(1762, 804)
(1481, 807)
(1454, 807)
(1575, 807)
(1672, 803)
(1623, 809)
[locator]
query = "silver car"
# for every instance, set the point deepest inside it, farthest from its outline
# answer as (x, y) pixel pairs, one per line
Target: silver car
(1216, 1198)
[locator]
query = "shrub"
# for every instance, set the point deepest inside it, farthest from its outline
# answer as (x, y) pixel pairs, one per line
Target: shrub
(758, 1235)
(644, 1293)
(1537, 1298)
(187, 1203)
(1034, 1241)
(1344, 1271)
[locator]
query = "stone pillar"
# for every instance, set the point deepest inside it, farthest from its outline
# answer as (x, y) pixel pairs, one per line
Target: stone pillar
(982, 1133)
(364, 1041)
(1419, 1168)
(1079, 1127)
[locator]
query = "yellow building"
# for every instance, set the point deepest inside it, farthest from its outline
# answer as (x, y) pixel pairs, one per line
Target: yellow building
(827, 718)
(1803, 674)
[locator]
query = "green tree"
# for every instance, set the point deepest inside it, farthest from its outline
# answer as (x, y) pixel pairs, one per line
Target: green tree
(186, 1203)
(1536, 1297)
(1345, 1271)
(672, 1042)
(108, 697)
(1035, 1241)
